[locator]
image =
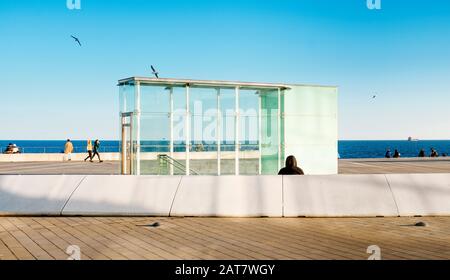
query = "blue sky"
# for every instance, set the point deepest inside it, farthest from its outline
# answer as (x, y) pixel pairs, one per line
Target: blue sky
(53, 89)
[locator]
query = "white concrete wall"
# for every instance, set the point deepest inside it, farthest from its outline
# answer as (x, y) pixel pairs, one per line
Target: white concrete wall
(36, 195)
(123, 195)
(421, 194)
(229, 196)
(244, 196)
(338, 196)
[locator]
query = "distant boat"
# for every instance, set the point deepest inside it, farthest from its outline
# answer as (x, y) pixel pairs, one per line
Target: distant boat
(410, 139)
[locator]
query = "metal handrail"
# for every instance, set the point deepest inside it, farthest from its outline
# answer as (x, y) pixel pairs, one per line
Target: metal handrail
(177, 164)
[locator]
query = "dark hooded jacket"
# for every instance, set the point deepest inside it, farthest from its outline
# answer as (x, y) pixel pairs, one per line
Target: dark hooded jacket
(291, 167)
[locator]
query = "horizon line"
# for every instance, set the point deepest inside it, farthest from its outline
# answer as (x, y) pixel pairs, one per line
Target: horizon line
(84, 139)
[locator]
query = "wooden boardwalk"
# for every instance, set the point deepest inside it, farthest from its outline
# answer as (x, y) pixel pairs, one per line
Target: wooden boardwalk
(354, 166)
(223, 238)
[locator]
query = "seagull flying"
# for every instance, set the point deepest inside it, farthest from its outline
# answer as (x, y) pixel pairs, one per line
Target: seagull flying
(76, 40)
(373, 97)
(155, 72)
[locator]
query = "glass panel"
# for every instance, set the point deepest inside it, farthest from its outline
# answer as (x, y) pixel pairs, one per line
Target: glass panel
(228, 119)
(156, 157)
(126, 98)
(248, 132)
(155, 134)
(179, 99)
(270, 132)
(203, 106)
(155, 99)
(179, 133)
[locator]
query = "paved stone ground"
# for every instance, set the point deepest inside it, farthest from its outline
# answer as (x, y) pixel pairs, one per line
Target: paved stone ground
(55, 168)
(386, 166)
(361, 166)
(223, 238)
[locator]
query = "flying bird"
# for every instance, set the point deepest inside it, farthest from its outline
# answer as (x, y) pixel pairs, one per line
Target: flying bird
(373, 97)
(155, 72)
(76, 40)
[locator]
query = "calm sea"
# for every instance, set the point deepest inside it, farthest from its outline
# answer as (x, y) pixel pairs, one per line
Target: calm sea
(347, 149)
(377, 149)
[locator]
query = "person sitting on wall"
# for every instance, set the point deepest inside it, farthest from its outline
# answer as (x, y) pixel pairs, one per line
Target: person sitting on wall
(12, 149)
(388, 153)
(422, 153)
(15, 149)
(8, 149)
(434, 153)
(291, 167)
(396, 154)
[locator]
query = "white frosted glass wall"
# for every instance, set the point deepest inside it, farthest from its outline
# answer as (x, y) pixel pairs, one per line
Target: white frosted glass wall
(311, 130)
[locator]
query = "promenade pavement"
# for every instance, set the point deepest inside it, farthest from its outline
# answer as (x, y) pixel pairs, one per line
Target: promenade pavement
(354, 166)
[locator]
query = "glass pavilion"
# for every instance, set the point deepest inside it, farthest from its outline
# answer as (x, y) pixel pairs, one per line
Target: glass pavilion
(195, 127)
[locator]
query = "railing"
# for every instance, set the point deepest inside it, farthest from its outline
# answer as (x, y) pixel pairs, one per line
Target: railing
(59, 150)
(194, 147)
(175, 163)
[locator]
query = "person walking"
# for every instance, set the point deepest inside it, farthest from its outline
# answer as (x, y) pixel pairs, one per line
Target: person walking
(89, 150)
(68, 149)
(96, 148)
(291, 167)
